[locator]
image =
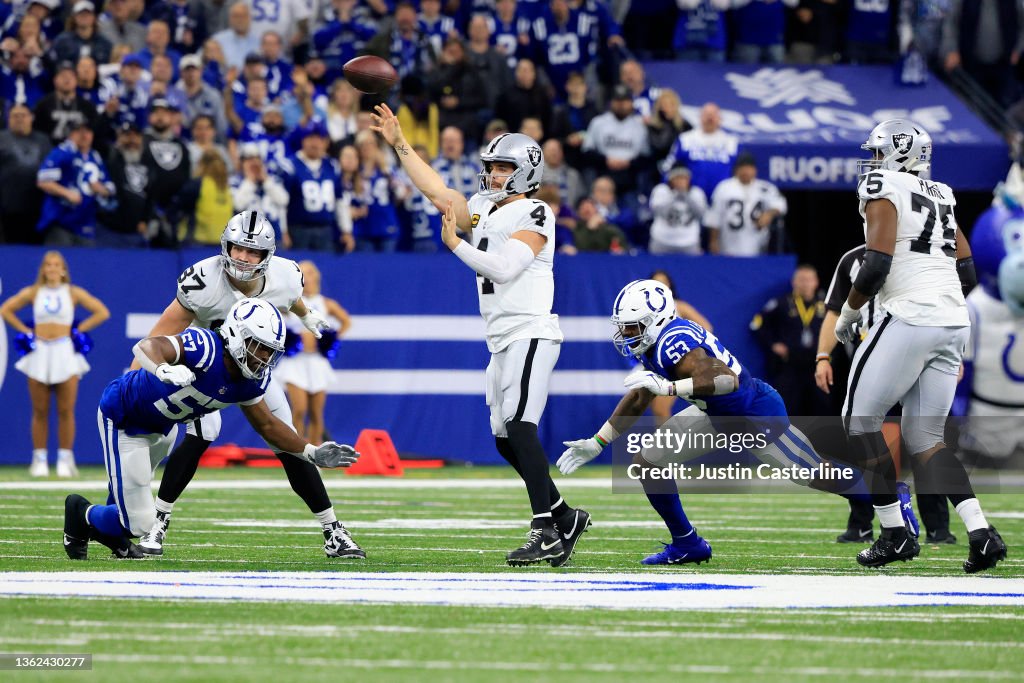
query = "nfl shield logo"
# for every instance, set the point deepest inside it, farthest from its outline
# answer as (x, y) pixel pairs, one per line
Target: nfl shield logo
(533, 154)
(902, 142)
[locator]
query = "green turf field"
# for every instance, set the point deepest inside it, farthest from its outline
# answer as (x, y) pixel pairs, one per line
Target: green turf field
(224, 524)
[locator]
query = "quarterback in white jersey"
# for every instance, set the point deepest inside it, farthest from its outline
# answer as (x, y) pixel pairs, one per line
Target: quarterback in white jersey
(917, 265)
(510, 246)
(246, 267)
(742, 210)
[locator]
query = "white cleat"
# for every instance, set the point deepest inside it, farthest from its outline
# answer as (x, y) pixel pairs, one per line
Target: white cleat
(338, 542)
(39, 468)
(152, 543)
(66, 468)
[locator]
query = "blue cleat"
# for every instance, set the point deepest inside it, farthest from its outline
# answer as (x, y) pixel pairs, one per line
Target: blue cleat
(907, 509)
(682, 551)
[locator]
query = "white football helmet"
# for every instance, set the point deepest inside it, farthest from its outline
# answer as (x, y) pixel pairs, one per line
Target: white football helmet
(517, 149)
(254, 333)
(247, 229)
(647, 306)
(898, 145)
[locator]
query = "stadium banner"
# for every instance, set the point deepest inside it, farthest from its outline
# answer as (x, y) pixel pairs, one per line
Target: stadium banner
(805, 125)
(413, 362)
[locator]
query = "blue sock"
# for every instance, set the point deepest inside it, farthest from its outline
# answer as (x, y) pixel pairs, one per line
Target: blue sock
(105, 519)
(669, 507)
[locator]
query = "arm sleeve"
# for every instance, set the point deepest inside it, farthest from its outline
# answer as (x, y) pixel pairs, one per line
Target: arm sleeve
(839, 289)
(501, 266)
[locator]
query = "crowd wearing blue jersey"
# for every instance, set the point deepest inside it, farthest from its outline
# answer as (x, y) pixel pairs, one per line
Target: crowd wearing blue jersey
(577, 51)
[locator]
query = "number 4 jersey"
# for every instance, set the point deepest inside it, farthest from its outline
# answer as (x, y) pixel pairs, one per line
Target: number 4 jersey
(521, 307)
(204, 289)
(922, 287)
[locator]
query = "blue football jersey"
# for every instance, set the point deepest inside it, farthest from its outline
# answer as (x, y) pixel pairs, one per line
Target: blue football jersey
(566, 48)
(680, 337)
(69, 167)
(313, 194)
(381, 219)
(139, 403)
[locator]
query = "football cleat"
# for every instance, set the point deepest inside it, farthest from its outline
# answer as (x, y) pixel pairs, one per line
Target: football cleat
(855, 535)
(338, 542)
(682, 551)
(76, 528)
(66, 468)
(892, 545)
(987, 548)
(907, 509)
(541, 544)
(940, 537)
(127, 551)
(152, 542)
(570, 527)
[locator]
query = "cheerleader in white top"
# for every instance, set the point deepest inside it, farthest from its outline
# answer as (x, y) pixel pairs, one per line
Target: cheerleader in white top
(53, 363)
(307, 373)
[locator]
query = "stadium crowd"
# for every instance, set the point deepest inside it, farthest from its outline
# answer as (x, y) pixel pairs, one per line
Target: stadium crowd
(150, 122)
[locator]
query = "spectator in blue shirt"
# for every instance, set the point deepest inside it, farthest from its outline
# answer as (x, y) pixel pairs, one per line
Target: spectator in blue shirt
(314, 184)
(709, 152)
(510, 31)
(458, 170)
(404, 45)
(341, 38)
(238, 39)
(760, 26)
(378, 230)
(74, 179)
(22, 79)
(126, 97)
(278, 70)
(158, 41)
(700, 31)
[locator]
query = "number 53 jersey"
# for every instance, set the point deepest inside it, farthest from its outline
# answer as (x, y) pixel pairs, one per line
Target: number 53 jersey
(923, 287)
(205, 290)
(521, 307)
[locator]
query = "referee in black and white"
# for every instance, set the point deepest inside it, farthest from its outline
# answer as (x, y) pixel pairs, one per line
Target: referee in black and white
(933, 509)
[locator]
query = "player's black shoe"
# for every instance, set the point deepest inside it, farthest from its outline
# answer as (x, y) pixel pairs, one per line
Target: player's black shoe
(338, 542)
(121, 547)
(570, 527)
(855, 535)
(940, 537)
(76, 528)
(541, 544)
(892, 545)
(987, 548)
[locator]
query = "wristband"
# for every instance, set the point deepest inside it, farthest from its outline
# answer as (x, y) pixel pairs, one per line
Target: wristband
(822, 356)
(683, 387)
(606, 434)
(600, 442)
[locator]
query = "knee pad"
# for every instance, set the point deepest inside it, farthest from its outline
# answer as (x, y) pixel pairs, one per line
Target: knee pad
(141, 521)
(924, 433)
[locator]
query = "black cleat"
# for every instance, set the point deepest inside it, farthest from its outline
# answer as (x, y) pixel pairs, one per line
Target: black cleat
(338, 542)
(940, 537)
(855, 535)
(541, 544)
(892, 545)
(76, 528)
(121, 547)
(987, 548)
(570, 527)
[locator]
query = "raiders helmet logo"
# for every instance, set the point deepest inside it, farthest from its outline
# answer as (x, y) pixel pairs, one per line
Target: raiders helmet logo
(902, 142)
(533, 154)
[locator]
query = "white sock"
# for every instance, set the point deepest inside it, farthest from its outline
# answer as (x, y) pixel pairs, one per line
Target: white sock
(327, 517)
(970, 511)
(65, 454)
(889, 515)
(163, 506)
(39, 454)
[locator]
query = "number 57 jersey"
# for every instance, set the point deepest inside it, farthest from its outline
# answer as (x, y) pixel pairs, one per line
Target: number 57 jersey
(923, 287)
(520, 308)
(204, 289)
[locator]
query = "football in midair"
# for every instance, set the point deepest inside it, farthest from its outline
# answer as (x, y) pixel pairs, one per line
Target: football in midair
(370, 74)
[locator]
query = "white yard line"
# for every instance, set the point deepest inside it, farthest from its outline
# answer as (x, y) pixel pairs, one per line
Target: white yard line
(536, 589)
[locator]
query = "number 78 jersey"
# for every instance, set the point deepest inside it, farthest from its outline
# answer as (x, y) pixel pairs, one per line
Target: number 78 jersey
(923, 287)
(521, 307)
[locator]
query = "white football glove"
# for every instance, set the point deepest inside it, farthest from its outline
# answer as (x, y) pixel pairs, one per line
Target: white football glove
(314, 322)
(178, 375)
(849, 317)
(652, 382)
(577, 454)
(330, 454)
